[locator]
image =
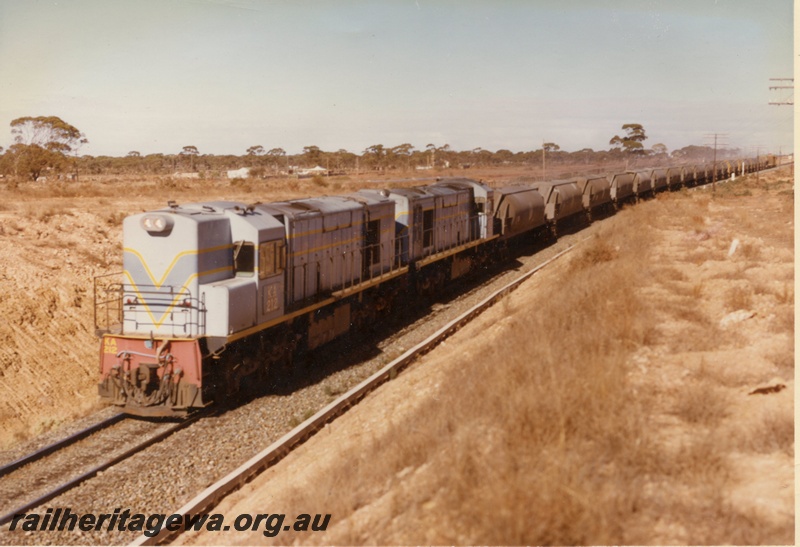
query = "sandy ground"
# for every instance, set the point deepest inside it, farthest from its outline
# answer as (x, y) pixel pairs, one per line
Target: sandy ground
(718, 378)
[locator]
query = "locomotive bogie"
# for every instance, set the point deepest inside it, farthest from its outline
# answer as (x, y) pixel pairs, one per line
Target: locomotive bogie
(326, 324)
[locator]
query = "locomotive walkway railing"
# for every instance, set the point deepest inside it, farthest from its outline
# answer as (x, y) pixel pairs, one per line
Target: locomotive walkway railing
(108, 303)
(117, 303)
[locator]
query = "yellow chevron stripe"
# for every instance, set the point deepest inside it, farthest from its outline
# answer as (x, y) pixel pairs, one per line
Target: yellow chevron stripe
(179, 294)
(180, 255)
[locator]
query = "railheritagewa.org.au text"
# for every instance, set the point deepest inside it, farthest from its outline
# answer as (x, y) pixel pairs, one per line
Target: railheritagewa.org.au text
(63, 519)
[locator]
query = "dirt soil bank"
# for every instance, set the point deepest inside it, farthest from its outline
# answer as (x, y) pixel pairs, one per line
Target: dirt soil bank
(638, 392)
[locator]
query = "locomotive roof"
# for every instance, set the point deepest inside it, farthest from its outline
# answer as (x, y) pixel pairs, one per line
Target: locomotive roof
(373, 197)
(213, 210)
(321, 205)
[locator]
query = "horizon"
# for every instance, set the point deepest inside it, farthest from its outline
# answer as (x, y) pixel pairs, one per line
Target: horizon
(705, 148)
(224, 75)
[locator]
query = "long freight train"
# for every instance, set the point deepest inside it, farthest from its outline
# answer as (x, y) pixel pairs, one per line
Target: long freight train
(217, 294)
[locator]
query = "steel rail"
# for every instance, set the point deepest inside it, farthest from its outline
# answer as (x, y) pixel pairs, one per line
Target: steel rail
(102, 467)
(234, 480)
(58, 445)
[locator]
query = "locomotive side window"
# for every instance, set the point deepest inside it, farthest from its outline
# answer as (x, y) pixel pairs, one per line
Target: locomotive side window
(427, 228)
(373, 249)
(266, 260)
(271, 258)
(244, 258)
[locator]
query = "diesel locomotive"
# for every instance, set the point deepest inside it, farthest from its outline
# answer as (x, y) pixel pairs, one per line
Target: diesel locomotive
(218, 294)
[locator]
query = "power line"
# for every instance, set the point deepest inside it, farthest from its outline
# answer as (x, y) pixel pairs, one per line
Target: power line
(785, 99)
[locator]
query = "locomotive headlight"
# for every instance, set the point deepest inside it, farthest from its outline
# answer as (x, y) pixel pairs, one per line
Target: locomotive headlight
(156, 223)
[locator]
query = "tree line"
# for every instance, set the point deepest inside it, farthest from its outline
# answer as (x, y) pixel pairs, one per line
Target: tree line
(47, 144)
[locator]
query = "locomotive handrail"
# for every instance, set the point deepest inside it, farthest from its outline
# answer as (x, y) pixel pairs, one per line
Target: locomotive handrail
(107, 294)
(142, 302)
(113, 297)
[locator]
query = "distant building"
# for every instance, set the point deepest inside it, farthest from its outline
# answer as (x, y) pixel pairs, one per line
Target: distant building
(242, 173)
(311, 172)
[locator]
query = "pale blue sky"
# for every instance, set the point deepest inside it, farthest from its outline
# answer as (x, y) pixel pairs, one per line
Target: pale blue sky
(222, 75)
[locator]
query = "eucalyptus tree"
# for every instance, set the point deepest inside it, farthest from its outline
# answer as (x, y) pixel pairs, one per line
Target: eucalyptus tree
(43, 142)
(190, 152)
(50, 132)
(632, 141)
(375, 155)
(400, 155)
(312, 155)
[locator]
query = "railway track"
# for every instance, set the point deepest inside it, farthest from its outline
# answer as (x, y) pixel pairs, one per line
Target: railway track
(234, 480)
(58, 445)
(25, 482)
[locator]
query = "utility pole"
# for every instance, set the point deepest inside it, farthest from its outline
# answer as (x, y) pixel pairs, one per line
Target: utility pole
(758, 148)
(786, 100)
(758, 171)
(717, 138)
(544, 162)
(714, 180)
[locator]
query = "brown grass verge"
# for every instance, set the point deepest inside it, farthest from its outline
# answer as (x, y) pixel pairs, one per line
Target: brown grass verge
(548, 439)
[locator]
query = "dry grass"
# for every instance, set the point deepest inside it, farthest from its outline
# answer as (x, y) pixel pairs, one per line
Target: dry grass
(551, 444)
(597, 251)
(739, 298)
(701, 403)
(773, 431)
